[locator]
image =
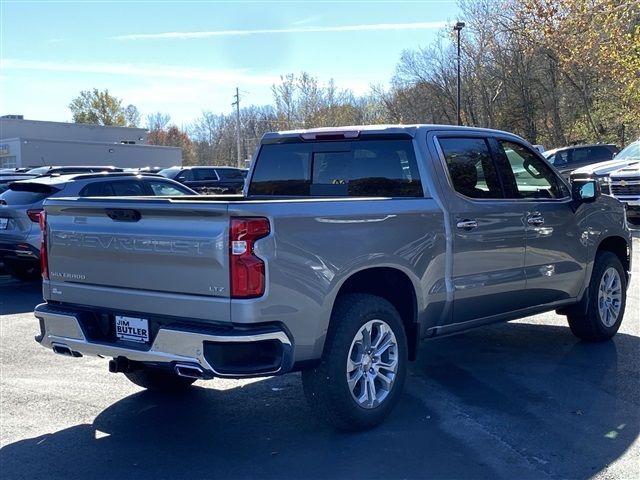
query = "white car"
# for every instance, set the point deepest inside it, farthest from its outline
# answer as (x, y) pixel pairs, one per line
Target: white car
(625, 182)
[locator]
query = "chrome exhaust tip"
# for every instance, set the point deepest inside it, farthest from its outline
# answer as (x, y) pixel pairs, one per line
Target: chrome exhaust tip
(61, 349)
(188, 371)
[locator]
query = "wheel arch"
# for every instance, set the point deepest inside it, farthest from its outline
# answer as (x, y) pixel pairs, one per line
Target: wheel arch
(615, 244)
(620, 248)
(395, 286)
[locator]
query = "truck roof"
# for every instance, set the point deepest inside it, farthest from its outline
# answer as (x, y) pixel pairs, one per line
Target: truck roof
(411, 130)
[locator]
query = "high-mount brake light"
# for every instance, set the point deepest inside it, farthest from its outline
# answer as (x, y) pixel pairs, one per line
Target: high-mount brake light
(329, 135)
(44, 254)
(247, 270)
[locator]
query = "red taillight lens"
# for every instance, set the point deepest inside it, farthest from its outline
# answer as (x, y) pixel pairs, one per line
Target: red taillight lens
(34, 214)
(44, 258)
(246, 269)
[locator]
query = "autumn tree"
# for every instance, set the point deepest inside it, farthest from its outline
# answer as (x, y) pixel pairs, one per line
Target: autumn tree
(595, 45)
(174, 137)
(101, 108)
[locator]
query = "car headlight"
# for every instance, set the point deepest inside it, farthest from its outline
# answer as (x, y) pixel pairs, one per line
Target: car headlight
(605, 184)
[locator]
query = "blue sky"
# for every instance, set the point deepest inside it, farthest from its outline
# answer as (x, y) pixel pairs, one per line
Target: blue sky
(183, 58)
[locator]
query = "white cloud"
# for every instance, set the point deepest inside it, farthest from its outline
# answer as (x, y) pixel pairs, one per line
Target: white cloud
(328, 29)
(222, 77)
(307, 20)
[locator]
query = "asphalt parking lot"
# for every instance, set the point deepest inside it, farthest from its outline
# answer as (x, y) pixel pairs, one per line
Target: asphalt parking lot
(522, 400)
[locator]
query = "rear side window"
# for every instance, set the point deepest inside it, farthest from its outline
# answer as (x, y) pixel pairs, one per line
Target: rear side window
(560, 158)
(163, 188)
(125, 188)
(229, 174)
(96, 189)
(366, 168)
(128, 188)
(471, 168)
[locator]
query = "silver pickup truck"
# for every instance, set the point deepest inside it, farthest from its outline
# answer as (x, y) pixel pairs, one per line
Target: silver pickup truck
(347, 247)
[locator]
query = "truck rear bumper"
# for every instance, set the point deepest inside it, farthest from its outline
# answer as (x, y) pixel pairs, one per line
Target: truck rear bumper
(230, 353)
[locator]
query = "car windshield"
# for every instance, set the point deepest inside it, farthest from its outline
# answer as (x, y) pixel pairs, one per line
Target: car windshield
(169, 172)
(631, 152)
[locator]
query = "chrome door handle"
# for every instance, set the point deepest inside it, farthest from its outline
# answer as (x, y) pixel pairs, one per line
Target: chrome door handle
(467, 224)
(536, 220)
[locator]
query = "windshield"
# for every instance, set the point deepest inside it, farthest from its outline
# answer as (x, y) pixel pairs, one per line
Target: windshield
(169, 172)
(632, 152)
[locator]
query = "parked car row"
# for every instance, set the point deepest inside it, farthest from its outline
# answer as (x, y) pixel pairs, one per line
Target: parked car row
(568, 159)
(208, 180)
(617, 172)
(22, 202)
(205, 180)
(619, 178)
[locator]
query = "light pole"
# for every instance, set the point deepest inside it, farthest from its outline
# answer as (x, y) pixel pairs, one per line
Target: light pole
(457, 27)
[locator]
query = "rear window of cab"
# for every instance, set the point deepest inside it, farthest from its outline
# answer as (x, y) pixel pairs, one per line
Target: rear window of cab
(363, 168)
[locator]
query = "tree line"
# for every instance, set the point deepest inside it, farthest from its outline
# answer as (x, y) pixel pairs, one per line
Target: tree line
(555, 72)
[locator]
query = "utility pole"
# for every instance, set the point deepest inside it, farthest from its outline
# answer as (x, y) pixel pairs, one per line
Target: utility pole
(237, 105)
(457, 27)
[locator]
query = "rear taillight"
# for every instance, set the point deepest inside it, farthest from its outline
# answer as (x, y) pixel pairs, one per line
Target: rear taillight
(34, 214)
(44, 258)
(246, 269)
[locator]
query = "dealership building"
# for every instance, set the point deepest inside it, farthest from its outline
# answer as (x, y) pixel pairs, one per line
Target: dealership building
(34, 143)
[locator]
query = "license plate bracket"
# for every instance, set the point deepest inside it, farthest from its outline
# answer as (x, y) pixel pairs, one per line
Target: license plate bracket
(132, 329)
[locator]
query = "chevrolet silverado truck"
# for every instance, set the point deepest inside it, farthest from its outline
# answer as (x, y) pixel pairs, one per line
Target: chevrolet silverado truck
(625, 182)
(347, 248)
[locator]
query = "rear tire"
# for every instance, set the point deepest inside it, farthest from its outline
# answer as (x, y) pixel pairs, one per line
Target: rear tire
(159, 380)
(363, 366)
(606, 301)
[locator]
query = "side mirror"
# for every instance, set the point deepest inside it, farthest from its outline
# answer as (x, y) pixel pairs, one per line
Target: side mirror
(585, 190)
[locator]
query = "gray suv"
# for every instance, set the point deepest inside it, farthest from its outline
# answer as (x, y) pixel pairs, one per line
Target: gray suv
(21, 204)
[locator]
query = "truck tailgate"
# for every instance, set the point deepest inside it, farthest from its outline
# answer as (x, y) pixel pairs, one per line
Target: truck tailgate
(151, 255)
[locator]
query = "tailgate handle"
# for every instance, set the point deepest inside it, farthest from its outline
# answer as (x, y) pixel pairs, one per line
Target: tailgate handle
(123, 215)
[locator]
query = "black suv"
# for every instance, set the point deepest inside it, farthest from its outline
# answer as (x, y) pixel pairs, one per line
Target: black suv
(207, 180)
(567, 159)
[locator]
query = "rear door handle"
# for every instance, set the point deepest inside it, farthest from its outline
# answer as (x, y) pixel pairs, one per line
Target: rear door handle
(535, 220)
(467, 224)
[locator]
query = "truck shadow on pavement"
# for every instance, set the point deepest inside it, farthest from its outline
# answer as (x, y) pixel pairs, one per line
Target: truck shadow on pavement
(17, 296)
(510, 401)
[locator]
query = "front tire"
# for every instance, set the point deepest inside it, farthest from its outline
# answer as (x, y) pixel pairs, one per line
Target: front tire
(363, 366)
(606, 301)
(159, 380)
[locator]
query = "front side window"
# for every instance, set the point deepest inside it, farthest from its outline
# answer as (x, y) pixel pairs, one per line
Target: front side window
(185, 176)
(364, 168)
(471, 168)
(527, 175)
(581, 155)
(229, 174)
